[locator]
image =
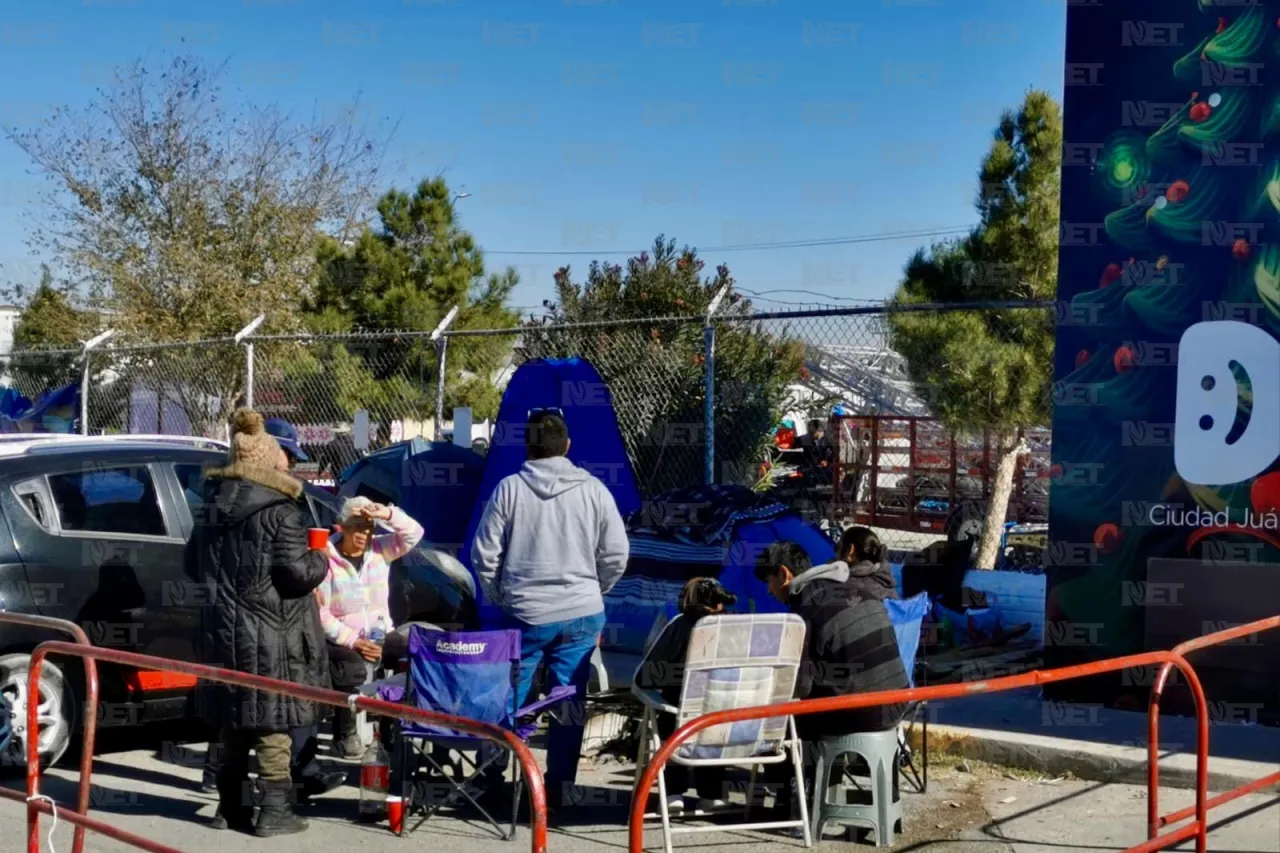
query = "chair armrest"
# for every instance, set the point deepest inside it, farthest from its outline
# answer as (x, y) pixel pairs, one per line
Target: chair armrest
(558, 696)
(653, 699)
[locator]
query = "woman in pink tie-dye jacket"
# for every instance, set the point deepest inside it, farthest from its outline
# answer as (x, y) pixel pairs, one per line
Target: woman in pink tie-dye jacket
(355, 598)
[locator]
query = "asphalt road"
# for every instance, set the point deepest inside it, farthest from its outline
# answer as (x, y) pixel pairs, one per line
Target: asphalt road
(150, 792)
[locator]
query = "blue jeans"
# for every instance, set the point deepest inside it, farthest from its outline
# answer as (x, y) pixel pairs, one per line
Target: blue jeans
(565, 649)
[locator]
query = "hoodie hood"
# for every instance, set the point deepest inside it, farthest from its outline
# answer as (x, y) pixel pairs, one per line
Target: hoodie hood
(246, 489)
(837, 571)
(549, 478)
(875, 574)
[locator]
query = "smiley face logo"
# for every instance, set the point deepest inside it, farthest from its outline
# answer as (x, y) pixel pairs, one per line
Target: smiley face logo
(1227, 422)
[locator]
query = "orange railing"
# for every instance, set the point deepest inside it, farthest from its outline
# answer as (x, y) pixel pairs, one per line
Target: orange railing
(36, 806)
(1155, 821)
(90, 725)
(1197, 829)
(1168, 660)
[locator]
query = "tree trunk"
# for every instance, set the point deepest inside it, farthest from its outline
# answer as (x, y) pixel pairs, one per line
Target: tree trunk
(1010, 448)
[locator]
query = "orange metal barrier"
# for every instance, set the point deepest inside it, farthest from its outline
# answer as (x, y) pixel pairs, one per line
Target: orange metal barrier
(90, 726)
(1197, 829)
(1155, 822)
(35, 807)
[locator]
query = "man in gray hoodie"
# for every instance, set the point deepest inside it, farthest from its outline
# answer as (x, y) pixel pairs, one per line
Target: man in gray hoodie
(550, 544)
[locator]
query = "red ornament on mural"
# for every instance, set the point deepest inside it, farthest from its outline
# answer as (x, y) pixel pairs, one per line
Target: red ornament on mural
(1264, 494)
(1222, 24)
(1082, 358)
(1200, 112)
(1055, 472)
(1177, 191)
(1123, 359)
(1107, 537)
(1110, 275)
(1240, 249)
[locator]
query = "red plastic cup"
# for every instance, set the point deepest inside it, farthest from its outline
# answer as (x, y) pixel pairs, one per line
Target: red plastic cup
(318, 538)
(395, 814)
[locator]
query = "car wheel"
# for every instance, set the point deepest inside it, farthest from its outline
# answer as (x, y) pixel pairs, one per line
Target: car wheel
(56, 711)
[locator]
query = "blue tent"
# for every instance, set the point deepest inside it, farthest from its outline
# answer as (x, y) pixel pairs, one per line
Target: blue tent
(56, 410)
(595, 442)
(435, 482)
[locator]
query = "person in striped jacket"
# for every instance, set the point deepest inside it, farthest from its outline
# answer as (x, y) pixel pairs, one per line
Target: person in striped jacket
(354, 601)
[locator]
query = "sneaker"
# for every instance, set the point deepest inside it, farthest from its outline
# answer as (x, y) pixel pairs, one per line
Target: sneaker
(675, 803)
(713, 805)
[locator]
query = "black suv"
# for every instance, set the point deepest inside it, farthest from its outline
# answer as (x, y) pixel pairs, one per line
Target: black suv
(94, 531)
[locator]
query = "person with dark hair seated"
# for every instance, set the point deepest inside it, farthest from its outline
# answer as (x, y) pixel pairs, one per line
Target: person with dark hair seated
(861, 550)
(663, 670)
(549, 545)
(850, 644)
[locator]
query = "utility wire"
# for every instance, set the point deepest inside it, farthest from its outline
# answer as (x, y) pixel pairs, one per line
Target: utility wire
(758, 247)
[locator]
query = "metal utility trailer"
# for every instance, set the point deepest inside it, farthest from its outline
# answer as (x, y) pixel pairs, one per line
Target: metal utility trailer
(912, 473)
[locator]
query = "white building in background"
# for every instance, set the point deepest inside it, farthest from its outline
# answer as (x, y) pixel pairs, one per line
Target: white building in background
(9, 315)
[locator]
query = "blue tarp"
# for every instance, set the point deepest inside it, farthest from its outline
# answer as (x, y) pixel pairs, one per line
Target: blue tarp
(595, 442)
(54, 411)
(662, 561)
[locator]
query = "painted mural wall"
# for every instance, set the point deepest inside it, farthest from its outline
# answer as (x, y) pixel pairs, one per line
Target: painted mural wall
(1167, 394)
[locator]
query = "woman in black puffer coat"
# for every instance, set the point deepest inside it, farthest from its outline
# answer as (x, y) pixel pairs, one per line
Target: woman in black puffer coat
(249, 548)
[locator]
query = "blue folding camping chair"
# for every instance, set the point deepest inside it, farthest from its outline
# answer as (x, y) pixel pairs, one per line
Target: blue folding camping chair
(472, 675)
(907, 617)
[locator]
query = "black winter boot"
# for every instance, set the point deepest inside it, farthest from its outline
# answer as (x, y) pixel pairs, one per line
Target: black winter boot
(234, 812)
(276, 816)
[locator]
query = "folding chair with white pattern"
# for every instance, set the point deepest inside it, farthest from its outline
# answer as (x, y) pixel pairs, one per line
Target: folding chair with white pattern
(733, 661)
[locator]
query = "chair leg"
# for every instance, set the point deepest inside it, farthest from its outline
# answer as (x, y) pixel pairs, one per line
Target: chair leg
(751, 793)
(662, 810)
(819, 795)
(798, 763)
(402, 765)
(924, 750)
(517, 779)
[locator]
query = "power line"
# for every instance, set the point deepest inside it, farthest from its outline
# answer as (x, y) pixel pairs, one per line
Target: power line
(757, 247)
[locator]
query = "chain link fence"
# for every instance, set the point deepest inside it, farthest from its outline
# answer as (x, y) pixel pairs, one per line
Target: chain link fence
(350, 393)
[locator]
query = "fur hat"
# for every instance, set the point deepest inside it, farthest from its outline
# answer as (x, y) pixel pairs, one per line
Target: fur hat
(250, 442)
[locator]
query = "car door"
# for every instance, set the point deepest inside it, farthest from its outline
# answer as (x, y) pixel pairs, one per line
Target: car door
(111, 543)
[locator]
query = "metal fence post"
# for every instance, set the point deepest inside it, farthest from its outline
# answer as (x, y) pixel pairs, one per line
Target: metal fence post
(84, 396)
(89, 346)
(248, 375)
(442, 347)
(242, 337)
(709, 382)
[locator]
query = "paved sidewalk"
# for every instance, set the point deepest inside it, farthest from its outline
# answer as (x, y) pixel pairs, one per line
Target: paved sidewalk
(1018, 729)
(984, 811)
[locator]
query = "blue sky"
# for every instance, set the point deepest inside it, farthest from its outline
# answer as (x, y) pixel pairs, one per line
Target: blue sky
(583, 128)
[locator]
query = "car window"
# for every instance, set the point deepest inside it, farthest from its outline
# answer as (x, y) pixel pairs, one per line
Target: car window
(191, 481)
(108, 500)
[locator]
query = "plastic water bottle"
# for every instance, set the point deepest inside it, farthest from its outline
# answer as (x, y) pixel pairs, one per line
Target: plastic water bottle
(375, 781)
(378, 635)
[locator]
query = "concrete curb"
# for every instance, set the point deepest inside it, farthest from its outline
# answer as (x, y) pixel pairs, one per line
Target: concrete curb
(1095, 762)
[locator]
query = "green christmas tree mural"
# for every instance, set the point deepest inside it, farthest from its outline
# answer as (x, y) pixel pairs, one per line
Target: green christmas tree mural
(1191, 233)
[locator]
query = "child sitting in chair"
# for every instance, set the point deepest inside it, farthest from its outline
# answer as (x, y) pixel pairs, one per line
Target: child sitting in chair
(662, 670)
